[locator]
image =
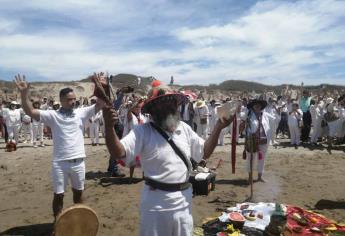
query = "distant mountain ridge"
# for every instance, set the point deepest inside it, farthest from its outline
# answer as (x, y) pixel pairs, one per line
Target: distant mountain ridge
(143, 84)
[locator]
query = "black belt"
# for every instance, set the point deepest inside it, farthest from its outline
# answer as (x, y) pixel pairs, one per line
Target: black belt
(167, 187)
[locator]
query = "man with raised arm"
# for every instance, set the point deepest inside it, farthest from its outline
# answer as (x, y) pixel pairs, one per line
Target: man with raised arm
(166, 200)
(67, 126)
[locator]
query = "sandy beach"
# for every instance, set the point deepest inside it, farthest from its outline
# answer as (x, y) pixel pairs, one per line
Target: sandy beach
(312, 179)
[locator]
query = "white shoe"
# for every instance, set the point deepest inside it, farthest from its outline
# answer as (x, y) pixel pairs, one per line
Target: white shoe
(35, 146)
(25, 141)
(42, 145)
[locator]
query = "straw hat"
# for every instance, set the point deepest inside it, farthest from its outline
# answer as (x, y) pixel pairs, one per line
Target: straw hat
(200, 104)
(253, 102)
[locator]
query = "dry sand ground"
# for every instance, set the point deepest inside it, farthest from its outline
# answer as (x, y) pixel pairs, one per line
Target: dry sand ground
(313, 179)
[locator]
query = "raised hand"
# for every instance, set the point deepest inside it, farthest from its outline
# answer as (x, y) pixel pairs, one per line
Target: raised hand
(102, 89)
(21, 83)
(222, 123)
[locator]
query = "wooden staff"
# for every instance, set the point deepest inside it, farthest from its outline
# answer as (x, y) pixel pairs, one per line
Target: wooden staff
(251, 173)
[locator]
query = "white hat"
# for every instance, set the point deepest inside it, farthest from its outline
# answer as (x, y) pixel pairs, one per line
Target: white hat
(14, 103)
(329, 100)
(56, 103)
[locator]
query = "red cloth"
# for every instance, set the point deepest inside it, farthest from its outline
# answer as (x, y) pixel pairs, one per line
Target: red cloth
(320, 222)
(233, 144)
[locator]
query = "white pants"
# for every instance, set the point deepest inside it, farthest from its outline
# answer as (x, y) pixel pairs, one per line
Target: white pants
(332, 128)
(37, 131)
(316, 131)
(212, 123)
(341, 128)
(260, 163)
(202, 130)
(274, 126)
(165, 222)
(222, 134)
(13, 133)
(94, 132)
(27, 132)
(62, 170)
(295, 134)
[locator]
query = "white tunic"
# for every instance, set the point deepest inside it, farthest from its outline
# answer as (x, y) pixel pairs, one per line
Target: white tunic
(159, 162)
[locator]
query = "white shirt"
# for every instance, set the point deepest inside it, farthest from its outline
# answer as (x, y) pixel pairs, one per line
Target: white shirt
(12, 117)
(97, 117)
(67, 131)
(201, 112)
(294, 117)
(266, 119)
(212, 112)
(129, 125)
(160, 162)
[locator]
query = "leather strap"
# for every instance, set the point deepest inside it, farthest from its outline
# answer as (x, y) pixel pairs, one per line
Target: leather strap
(167, 187)
(172, 144)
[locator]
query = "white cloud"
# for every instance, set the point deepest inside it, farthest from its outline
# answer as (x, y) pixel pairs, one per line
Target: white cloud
(276, 41)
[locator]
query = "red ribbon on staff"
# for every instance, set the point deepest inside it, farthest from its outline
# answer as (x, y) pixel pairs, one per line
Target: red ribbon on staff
(233, 143)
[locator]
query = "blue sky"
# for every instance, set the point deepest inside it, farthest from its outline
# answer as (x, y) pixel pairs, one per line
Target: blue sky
(196, 41)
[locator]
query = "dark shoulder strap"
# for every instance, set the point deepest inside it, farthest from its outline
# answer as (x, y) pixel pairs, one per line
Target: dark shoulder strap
(172, 144)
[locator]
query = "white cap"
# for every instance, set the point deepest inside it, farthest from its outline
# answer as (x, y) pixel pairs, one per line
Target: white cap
(14, 103)
(329, 100)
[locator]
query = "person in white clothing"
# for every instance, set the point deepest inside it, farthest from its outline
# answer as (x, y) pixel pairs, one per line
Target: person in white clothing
(201, 118)
(273, 111)
(94, 123)
(187, 112)
(258, 132)
(12, 117)
(212, 115)
(332, 118)
(294, 121)
(133, 119)
(26, 129)
(317, 116)
(341, 121)
(37, 128)
(67, 126)
(166, 200)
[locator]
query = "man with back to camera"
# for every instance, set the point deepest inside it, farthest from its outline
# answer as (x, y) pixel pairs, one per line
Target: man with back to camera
(67, 126)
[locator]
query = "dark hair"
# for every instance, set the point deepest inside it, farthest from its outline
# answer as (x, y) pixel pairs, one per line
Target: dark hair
(64, 92)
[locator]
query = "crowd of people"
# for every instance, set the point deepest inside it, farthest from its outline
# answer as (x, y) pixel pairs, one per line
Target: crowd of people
(308, 119)
(147, 132)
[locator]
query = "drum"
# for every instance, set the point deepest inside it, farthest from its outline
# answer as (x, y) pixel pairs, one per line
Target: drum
(78, 220)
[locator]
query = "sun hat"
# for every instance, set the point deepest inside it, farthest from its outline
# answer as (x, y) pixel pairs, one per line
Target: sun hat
(160, 96)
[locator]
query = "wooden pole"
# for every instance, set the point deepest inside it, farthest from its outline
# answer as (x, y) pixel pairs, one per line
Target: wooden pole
(251, 176)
